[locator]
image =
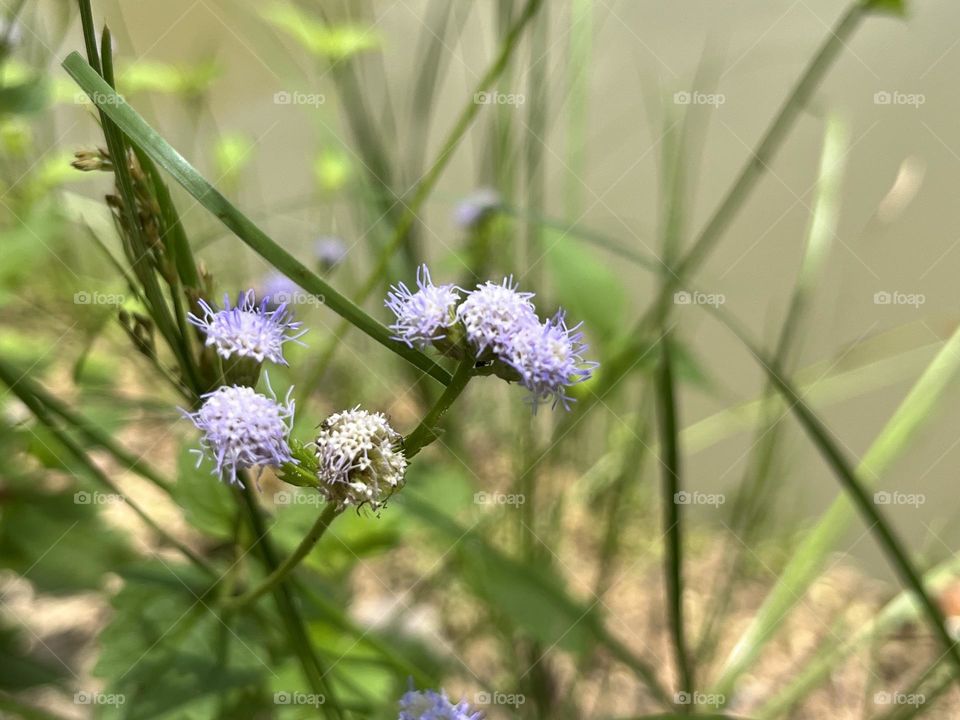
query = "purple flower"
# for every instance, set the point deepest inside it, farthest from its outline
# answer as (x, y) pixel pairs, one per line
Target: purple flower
(493, 314)
(422, 316)
(243, 429)
(330, 251)
(248, 330)
(476, 207)
(277, 288)
(430, 705)
(549, 359)
(358, 458)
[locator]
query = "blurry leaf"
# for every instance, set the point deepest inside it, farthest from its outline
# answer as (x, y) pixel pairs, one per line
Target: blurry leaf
(58, 541)
(332, 170)
(233, 153)
(149, 76)
(21, 668)
(206, 500)
(891, 7)
(22, 98)
(333, 42)
(163, 647)
(532, 596)
(587, 288)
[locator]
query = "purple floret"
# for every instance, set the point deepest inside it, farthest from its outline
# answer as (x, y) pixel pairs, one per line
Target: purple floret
(248, 329)
(243, 429)
(422, 316)
(430, 705)
(549, 359)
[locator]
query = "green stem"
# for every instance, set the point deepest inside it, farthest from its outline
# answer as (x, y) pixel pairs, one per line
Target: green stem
(673, 556)
(288, 609)
(303, 549)
(425, 433)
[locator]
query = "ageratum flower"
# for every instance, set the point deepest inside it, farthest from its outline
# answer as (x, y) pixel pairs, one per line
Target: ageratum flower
(476, 207)
(243, 429)
(430, 705)
(494, 313)
(423, 316)
(359, 460)
(248, 330)
(549, 359)
(330, 251)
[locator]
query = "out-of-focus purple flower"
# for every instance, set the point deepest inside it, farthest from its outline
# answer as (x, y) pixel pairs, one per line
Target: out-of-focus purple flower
(248, 330)
(330, 251)
(359, 459)
(277, 289)
(549, 359)
(422, 316)
(476, 207)
(430, 705)
(243, 429)
(494, 313)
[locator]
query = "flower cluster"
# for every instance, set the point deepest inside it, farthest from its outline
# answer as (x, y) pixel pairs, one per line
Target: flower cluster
(430, 705)
(359, 459)
(248, 330)
(499, 326)
(243, 429)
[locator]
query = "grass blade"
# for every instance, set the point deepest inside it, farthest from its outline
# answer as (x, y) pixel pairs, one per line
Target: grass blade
(855, 488)
(673, 557)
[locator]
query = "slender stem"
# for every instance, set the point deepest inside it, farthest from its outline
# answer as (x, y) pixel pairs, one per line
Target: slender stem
(303, 549)
(425, 433)
(673, 557)
(289, 610)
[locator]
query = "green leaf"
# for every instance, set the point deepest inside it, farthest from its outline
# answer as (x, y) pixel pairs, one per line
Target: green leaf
(145, 137)
(58, 541)
(205, 500)
(336, 42)
(27, 97)
(150, 76)
(22, 668)
(888, 7)
(592, 293)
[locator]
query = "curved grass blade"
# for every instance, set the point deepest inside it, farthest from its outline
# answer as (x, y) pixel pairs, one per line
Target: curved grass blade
(141, 134)
(913, 412)
(902, 609)
(855, 488)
